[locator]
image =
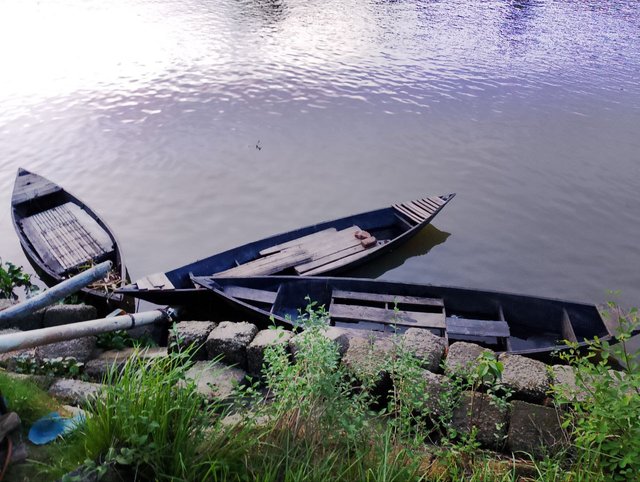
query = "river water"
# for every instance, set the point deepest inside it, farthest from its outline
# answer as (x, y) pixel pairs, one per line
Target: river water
(193, 126)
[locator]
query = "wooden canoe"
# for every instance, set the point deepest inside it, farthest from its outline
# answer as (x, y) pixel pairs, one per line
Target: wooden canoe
(61, 236)
(505, 322)
(325, 248)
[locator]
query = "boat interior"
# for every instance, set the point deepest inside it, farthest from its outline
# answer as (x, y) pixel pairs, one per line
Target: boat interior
(309, 251)
(60, 232)
(503, 322)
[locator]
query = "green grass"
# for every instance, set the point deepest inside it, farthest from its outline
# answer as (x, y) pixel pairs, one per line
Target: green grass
(27, 398)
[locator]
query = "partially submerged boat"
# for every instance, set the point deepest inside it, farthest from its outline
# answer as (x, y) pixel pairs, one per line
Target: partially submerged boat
(506, 322)
(325, 248)
(61, 236)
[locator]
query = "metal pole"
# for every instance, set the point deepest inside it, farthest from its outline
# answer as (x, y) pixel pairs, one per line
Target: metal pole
(44, 336)
(55, 293)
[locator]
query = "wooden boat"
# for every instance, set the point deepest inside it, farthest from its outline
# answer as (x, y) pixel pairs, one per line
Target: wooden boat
(324, 248)
(507, 322)
(61, 236)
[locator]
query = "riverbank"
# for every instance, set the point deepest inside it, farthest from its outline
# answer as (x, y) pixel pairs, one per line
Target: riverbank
(328, 405)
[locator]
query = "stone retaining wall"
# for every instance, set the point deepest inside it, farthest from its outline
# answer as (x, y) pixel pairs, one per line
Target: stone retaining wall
(529, 422)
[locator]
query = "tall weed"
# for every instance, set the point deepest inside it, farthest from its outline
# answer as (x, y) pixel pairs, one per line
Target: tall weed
(604, 416)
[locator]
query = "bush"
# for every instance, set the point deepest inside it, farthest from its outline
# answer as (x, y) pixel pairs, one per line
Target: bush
(12, 277)
(604, 416)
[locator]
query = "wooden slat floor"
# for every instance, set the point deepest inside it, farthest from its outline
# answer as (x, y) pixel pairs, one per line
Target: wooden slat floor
(67, 235)
(420, 210)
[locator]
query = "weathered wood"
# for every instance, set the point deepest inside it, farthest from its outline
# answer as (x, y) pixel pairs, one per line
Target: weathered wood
(430, 208)
(422, 212)
(384, 298)
(155, 281)
(342, 261)
(269, 264)
(295, 242)
(321, 260)
(429, 204)
(30, 186)
(65, 237)
(468, 327)
(250, 294)
(390, 317)
(437, 200)
(567, 327)
(408, 213)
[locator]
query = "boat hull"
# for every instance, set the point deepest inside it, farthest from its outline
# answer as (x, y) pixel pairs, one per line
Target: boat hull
(40, 211)
(506, 322)
(389, 226)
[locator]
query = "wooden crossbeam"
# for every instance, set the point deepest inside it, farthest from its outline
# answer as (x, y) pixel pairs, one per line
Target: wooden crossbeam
(321, 259)
(267, 265)
(30, 186)
(298, 241)
(339, 263)
(402, 318)
(251, 294)
(458, 327)
(386, 298)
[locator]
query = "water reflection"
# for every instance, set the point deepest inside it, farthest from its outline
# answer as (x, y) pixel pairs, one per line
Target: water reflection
(519, 16)
(419, 245)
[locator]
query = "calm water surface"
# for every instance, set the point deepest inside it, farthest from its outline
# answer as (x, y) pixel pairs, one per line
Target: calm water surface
(194, 126)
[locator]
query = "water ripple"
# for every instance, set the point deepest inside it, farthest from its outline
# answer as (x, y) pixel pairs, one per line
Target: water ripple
(153, 111)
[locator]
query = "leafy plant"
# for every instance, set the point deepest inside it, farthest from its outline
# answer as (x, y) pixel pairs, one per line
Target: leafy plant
(314, 395)
(12, 277)
(604, 418)
(121, 339)
(59, 366)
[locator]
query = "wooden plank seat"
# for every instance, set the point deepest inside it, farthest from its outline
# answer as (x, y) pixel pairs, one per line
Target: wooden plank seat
(401, 318)
(344, 306)
(66, 237)
(419, 210)
(251, 294)
(315, 237)
(460, 328)
(155, 281)
(30, 186)
(334, 250)
(343, 261)
(267, 265)
(304, 254)
(386, 298)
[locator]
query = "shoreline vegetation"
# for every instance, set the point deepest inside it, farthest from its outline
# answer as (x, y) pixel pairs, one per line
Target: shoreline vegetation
(311, 413)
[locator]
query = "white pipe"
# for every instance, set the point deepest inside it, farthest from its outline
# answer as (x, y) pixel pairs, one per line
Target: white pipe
(55, 293)
(44, 336)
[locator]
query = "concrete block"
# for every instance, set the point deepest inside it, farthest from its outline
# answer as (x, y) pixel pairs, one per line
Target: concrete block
(230, 340)
(215, 380)
(529, 379)
(74, 392)
(425, 346)
(535, 429)
(489, 419)
(264, 339)
(462, 357)
(191, 333)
